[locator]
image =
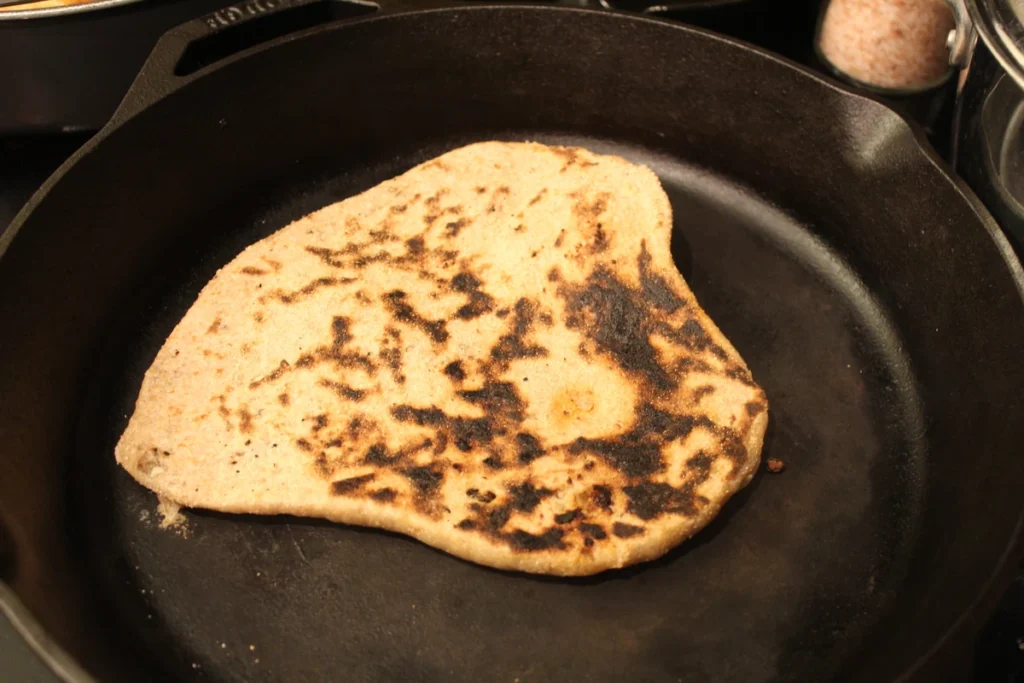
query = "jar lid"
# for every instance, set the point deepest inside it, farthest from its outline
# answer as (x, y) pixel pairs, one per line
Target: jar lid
(1000, 24)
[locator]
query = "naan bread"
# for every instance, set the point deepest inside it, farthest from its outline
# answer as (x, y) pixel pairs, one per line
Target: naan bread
(493, 353)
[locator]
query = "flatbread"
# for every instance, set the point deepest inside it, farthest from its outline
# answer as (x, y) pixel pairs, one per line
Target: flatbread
(493, 353)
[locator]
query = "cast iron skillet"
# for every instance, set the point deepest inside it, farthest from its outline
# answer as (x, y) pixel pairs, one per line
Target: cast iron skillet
(873, 298)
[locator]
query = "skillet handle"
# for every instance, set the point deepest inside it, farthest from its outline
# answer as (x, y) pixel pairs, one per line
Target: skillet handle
(185, 52)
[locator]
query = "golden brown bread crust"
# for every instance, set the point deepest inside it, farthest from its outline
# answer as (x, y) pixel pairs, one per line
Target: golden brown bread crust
(493, 353)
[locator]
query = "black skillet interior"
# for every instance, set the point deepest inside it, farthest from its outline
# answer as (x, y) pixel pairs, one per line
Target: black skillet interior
(862, 287)
(793, 585)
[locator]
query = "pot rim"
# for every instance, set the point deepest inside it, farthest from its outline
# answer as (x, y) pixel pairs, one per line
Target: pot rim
(68, 10)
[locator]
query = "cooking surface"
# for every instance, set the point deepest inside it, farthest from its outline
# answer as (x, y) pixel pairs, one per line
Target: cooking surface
(790, 582)
(24, 163)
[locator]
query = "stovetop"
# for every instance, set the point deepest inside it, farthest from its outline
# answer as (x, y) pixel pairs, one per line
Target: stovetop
(25, 162)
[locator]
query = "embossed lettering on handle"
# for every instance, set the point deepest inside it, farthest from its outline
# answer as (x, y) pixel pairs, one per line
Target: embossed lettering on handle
(222, 33)
(228, 16)
(215, 37)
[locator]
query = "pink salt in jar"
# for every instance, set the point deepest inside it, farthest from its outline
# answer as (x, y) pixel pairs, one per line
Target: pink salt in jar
(897, 45)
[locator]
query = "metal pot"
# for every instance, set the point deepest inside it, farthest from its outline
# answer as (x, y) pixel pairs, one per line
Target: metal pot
(988, 145)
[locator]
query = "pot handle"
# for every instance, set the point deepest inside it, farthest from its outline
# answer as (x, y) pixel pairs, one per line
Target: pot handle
(185, 52)
(960, 40)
